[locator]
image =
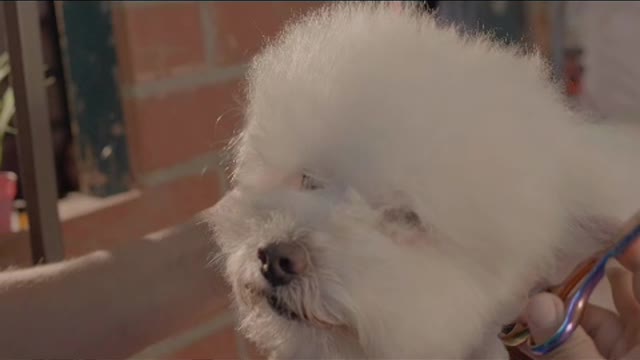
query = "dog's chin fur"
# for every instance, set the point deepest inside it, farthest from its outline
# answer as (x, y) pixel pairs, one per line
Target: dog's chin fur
(386, 110)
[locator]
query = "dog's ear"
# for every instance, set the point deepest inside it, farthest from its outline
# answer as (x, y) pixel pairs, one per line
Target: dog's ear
(404, 226)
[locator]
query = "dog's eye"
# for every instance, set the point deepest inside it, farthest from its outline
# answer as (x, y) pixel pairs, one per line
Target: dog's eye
(309, 183)
(402, 215)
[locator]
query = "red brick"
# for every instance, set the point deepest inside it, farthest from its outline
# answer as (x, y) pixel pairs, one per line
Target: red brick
(221, 345)
(15, 250)
(241, 27)
(170, 129)
(157, 208)
(158, 40)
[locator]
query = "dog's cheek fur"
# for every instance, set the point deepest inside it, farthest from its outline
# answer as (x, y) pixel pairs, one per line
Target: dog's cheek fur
(391, 302)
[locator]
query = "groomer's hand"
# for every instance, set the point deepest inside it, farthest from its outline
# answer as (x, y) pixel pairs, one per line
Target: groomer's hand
(603, 334)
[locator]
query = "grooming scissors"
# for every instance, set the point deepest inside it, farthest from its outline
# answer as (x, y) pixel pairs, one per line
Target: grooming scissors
(574, 291)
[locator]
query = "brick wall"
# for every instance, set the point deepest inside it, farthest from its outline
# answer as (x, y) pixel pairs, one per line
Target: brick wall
(181, 66)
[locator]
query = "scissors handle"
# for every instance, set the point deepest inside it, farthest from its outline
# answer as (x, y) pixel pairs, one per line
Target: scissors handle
(574, 291)
(517, 333)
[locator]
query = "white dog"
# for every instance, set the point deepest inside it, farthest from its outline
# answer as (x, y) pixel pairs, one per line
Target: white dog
(399, 188)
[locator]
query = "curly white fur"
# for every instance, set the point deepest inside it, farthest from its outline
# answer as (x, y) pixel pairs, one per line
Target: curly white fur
(387, 110)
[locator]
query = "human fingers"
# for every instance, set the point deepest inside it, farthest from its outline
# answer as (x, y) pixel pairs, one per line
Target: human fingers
(603, 326)
(622, 290)
(544, 315)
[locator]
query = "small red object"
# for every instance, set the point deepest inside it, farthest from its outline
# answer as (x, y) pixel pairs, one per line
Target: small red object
(8, 189)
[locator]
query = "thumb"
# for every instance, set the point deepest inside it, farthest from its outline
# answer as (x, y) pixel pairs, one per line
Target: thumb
(545, 313)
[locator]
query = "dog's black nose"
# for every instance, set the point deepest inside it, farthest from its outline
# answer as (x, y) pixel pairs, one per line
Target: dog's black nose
(282, 262)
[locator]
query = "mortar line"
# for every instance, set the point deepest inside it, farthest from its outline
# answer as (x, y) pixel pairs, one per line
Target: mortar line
(182, 82)
(200, 165)
(208, 33)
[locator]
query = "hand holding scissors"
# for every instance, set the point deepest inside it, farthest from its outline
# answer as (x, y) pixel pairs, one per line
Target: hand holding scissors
(553, 318)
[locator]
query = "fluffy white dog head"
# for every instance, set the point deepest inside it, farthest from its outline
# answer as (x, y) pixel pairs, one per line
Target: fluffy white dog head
(399, 188)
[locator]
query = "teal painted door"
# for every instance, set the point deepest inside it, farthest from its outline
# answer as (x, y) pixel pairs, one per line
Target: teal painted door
(96, 112)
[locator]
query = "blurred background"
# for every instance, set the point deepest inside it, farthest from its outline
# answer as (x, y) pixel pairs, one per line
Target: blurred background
(125, 108)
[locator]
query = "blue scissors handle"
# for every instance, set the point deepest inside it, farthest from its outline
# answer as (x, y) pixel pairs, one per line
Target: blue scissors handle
(575, 291)
(580, 298)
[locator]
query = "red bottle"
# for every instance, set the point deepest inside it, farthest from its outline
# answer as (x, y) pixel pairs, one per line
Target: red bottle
(8, 188)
